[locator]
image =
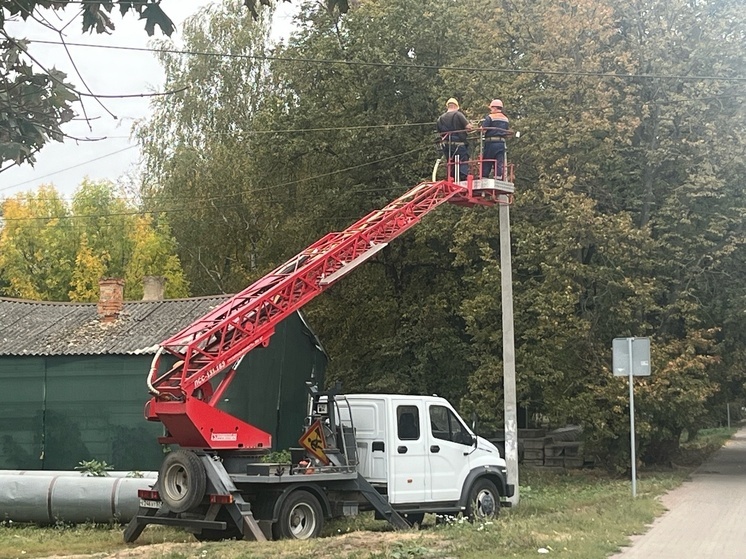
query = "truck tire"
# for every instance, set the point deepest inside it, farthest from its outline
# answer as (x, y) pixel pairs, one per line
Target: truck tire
(182, 480)
(484, 500)
(300, 517)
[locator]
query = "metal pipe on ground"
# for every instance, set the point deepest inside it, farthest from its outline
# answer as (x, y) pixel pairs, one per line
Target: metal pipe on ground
(47, 499)
(75, 473)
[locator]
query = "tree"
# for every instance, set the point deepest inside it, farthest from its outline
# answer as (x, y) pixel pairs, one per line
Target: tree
(255, 164)
(678, 186)
(33, 105)
(199, 148)
(627, 217)
(35, 101)
(153, 253)
(331, 5)
(363, 134)
(37, 246)
(55, 251)
(89, 268)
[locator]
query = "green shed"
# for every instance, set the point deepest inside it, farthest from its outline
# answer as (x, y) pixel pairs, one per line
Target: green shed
(72, 380)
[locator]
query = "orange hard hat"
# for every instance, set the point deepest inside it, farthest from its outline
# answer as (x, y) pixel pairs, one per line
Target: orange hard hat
(496, 103)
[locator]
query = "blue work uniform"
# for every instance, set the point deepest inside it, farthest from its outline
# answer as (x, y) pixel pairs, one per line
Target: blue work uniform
(452, 128)
(496, 128)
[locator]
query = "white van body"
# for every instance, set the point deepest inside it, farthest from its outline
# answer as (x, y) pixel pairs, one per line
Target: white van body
(417, 449)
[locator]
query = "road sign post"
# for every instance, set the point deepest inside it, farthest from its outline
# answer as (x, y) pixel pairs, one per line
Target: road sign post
(632, 445)
(631, 357)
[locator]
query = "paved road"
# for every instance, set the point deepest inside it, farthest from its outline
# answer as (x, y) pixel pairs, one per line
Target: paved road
(706, 516)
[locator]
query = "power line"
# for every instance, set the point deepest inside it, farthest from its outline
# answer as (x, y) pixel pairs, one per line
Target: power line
(224, 196)
(77, 92)
(67, 168)
(248, 132)
(399, 64)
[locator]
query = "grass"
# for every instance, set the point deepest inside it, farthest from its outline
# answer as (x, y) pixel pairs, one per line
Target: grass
(578, 514)
(581, 515)
(31, 541)
(695, 452)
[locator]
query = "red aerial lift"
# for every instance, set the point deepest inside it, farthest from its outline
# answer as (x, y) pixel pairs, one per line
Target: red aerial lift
(184, 398)
(208, 352)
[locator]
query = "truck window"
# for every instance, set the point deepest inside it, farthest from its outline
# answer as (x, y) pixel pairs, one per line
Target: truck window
(446, 426)
(408, 423)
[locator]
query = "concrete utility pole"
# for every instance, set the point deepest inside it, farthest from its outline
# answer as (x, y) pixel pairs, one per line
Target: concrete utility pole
(511, 415)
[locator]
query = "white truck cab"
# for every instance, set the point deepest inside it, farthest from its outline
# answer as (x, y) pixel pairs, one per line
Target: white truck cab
(422, 455)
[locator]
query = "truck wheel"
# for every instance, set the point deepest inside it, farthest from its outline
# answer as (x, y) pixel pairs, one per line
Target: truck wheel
(300, 517)
(484, 500)
(182, 480)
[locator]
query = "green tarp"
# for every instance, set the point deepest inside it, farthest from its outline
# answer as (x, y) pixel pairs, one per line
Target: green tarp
(59, 410)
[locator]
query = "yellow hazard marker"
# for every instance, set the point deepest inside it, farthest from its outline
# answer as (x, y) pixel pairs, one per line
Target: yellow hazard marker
(313, 441)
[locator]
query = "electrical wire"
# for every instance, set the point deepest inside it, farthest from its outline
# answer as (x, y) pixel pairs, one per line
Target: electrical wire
(345, 62)
(36, 179)
(326, 61)
(222, 196)
(342, 128)
(248, 132)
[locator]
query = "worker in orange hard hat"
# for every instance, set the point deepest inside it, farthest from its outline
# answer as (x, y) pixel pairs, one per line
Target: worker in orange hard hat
(495, 126)
(452, 126)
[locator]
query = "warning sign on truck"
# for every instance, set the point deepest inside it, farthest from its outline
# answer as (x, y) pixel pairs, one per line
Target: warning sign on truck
(313, 441)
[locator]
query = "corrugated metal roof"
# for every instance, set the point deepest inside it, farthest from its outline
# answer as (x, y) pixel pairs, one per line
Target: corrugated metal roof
(46, 328)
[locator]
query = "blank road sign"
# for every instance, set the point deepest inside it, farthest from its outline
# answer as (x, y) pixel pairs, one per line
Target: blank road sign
(640, 357)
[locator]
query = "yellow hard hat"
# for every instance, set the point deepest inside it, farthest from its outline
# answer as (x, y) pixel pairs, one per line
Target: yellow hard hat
(452, 101)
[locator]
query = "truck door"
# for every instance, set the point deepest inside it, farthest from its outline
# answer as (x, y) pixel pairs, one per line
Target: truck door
(369, 421)
(407, 459)
(448, 446)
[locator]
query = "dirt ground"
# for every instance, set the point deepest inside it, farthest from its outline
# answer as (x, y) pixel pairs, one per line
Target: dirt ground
(333, 547)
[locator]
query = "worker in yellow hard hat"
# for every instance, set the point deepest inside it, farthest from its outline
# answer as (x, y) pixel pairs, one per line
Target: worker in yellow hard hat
(453, 126)
(495, 127)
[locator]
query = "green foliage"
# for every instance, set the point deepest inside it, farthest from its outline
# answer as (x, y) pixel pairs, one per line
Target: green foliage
(94, 15)
(628, 214)
(36, 249)
(153, 253)
(88, 268)
(391, 326)
(53, 251)
(34, 105)
(254, 6)
(199, 150)
(277, 457)
(94, 468)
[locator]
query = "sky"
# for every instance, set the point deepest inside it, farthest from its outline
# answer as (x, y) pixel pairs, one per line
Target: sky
(107, 72)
